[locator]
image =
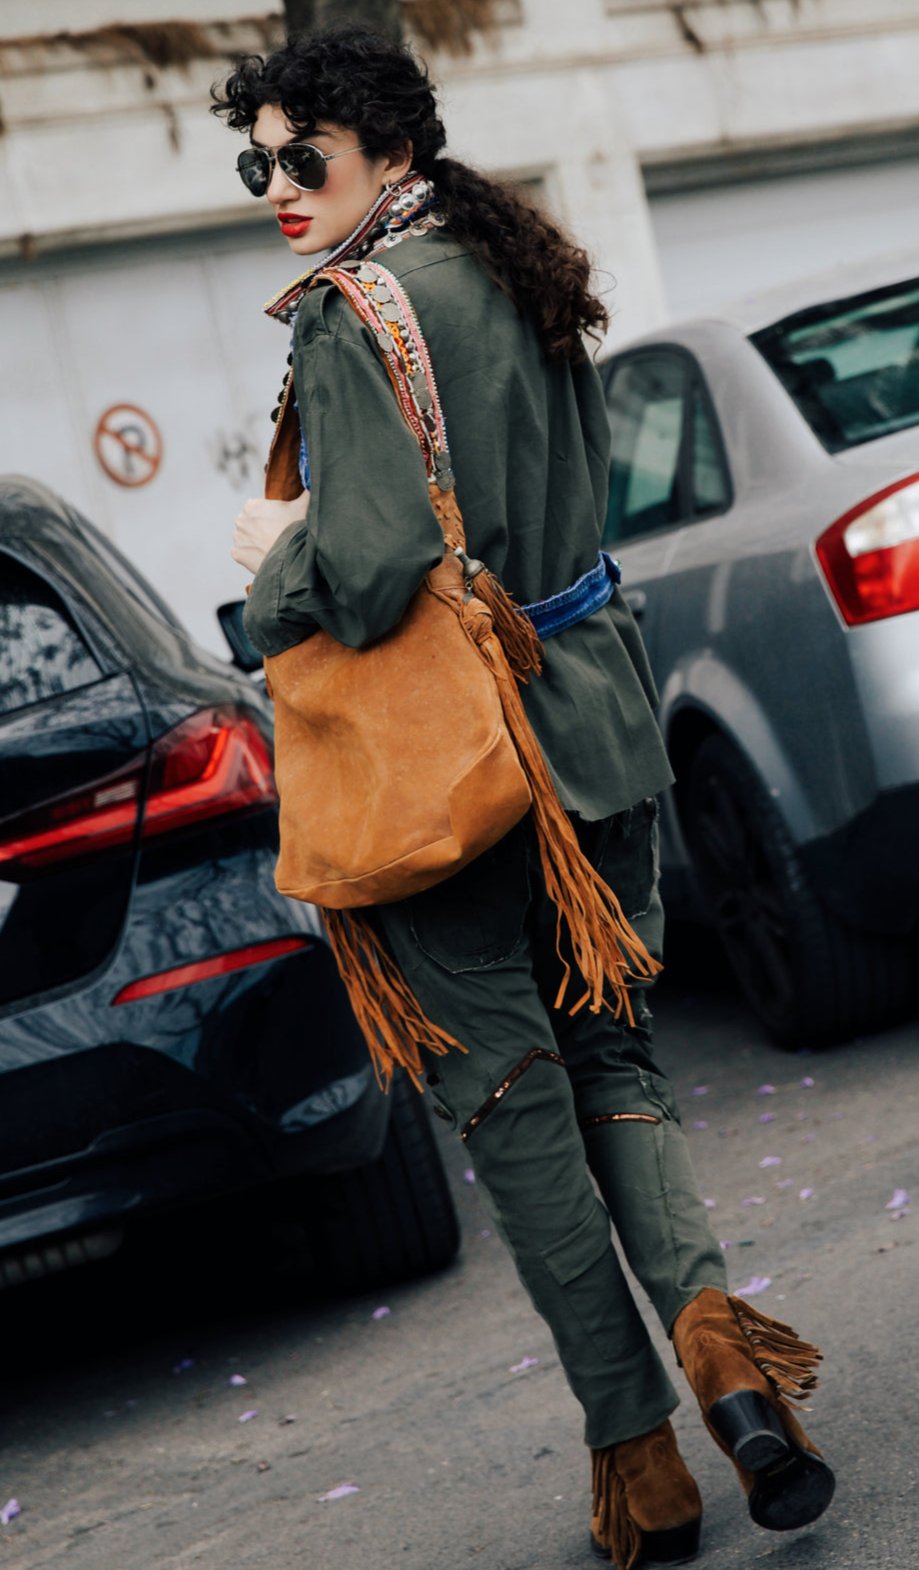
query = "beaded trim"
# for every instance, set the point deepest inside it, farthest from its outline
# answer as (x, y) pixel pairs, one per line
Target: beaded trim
(533, 1056)
(619, 1117)
(382, 305)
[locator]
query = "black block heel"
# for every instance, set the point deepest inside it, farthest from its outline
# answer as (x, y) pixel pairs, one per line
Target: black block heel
(792, 1486)
(676, 1545)
(751, 1429)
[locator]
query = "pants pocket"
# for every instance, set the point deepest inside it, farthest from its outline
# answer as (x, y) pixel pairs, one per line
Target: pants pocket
(587, 1269)
(476, 918)
(628, 862)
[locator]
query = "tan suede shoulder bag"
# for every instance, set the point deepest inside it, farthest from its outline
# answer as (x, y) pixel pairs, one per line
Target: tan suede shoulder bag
(399, 763)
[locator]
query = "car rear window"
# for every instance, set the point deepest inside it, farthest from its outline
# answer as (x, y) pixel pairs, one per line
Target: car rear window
(851, 366)
(41, 652)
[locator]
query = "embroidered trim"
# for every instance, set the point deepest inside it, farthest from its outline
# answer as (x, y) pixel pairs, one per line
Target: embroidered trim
(619, 1117)
(488, 1106)
(382, 305)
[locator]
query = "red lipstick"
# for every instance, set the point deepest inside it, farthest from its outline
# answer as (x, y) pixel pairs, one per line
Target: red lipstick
(294, 224)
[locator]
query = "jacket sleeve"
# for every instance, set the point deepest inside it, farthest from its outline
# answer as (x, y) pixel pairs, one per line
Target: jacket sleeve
(371, 533)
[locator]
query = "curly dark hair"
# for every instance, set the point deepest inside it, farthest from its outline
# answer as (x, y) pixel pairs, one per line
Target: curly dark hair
(352, 77)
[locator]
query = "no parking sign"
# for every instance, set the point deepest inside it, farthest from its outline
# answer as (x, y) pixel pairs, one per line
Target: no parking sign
(128, 444)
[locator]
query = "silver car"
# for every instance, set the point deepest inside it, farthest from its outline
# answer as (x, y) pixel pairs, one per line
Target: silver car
(764, 503)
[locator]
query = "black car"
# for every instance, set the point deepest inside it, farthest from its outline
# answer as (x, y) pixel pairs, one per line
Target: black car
(171, 1028)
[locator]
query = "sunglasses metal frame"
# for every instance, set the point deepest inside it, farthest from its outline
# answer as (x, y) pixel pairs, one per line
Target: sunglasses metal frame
(273, 154)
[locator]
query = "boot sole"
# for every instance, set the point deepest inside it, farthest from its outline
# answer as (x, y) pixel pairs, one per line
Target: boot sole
(792, 1486)
(675, 1545)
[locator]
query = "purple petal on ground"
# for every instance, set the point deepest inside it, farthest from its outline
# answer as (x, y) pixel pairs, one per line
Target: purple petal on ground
(709, 1203)
(523, 1365)
(806, 1193)
(237, 1379)
(754, 1285)
(725, 1243)
(700, 1090)
(807, 1083)
(485, 1232)
(755, 1199)
(771, 1161)
(767, 1117)
(766, 1090)
(784, 1182)
(187, 1362)
(468, 1175)
(700, 1123)
(898, 1200)
(246, 1417)
(381, 1313)
(10, 1510)
(339, 1492)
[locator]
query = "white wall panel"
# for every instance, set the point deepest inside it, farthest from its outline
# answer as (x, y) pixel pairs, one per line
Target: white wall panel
(718, 244)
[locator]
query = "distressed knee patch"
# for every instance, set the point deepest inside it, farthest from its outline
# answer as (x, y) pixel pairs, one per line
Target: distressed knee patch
(533, 1056)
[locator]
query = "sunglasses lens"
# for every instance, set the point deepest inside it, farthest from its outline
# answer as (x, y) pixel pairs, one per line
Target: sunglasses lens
(254, 169)
(303, 164)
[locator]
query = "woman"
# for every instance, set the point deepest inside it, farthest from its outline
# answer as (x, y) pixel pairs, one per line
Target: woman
(347, 147)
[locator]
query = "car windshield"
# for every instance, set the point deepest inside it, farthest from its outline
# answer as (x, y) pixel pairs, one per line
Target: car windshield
(851, 366)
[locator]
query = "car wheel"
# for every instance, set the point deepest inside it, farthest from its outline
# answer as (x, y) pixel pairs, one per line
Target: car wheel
(391, 1220)
(809, 978)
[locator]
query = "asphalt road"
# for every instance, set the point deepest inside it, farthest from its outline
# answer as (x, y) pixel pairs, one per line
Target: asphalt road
(124, 1444)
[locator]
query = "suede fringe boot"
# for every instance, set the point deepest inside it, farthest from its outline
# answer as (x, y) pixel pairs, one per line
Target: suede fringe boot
(744, 1369)
(646, 1506)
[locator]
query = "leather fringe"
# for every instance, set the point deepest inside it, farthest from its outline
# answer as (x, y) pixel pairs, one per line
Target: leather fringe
(606, 950)
(516, 633)
(612, 1523)
(778, 1352)
(393, 1022)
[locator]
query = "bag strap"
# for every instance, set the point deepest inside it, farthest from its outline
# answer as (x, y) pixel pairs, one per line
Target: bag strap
(381, 303)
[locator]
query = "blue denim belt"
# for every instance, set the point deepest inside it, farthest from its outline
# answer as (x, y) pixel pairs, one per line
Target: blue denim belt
(586, 595)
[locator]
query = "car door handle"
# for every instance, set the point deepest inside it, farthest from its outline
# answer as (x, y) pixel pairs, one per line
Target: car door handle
(636, 600)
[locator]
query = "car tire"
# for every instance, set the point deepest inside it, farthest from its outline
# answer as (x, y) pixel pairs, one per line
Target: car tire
(391, 1220)
(810, 979)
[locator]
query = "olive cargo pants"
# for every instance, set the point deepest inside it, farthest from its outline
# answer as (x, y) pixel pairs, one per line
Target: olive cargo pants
(541, 1096)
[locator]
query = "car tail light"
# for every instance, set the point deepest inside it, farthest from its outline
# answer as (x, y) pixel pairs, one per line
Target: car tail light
(870, 556)
(206, 969)
(214, 763)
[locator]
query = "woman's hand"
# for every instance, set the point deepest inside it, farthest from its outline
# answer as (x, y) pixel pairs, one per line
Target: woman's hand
(260, 523)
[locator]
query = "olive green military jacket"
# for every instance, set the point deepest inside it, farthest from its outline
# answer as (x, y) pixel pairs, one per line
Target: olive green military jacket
(530, 445)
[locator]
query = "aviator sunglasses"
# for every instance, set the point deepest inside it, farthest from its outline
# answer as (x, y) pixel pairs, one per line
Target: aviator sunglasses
(302, 163)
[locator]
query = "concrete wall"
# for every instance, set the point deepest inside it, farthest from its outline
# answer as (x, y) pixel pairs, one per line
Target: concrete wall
(133, 265)
(588, 96)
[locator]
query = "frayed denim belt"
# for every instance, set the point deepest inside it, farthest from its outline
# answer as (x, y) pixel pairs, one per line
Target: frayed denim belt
(587, 594)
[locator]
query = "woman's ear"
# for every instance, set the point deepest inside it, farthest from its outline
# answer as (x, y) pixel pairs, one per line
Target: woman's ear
(398, 162)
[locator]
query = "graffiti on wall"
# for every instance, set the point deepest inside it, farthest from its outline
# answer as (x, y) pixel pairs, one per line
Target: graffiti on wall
(238, 457)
